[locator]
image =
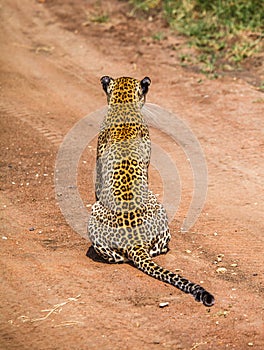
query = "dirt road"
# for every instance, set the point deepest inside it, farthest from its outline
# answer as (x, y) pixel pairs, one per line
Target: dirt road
(52, 295)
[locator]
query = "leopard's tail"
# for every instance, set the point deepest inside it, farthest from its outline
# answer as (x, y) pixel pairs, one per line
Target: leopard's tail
(142, 260)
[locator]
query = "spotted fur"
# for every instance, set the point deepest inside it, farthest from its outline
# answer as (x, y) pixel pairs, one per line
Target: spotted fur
(127, 222)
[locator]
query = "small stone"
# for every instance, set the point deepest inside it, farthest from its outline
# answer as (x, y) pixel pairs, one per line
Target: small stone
(222, 313)
(221, 270)
(31, 229)
(164, 304)
(220, 257)
(250, 344)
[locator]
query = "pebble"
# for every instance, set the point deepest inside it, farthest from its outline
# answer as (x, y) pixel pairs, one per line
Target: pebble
(164, 304)
(221, 270)
(220, 257)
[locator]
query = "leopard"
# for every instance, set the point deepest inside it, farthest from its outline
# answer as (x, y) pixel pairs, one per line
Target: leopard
(127, 223)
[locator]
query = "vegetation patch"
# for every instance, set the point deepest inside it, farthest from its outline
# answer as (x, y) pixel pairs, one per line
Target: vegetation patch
(224, 32)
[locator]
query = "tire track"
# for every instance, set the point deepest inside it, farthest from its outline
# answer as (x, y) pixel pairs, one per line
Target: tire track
(25, 116)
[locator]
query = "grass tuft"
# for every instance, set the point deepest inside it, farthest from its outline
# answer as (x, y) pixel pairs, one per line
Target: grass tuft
(222, 30)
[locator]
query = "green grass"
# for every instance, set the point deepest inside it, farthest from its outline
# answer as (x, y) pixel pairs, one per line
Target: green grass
(221, 30)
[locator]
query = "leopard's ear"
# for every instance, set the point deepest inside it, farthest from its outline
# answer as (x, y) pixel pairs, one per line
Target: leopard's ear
(145, 84)
(105, 81)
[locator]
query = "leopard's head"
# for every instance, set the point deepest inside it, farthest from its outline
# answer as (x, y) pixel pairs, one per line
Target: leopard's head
(125, 90)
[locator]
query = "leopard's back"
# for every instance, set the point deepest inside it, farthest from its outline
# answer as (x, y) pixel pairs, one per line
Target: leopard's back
(127, 221)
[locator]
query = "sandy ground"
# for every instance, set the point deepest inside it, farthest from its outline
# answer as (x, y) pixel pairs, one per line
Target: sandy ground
(53, 295)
